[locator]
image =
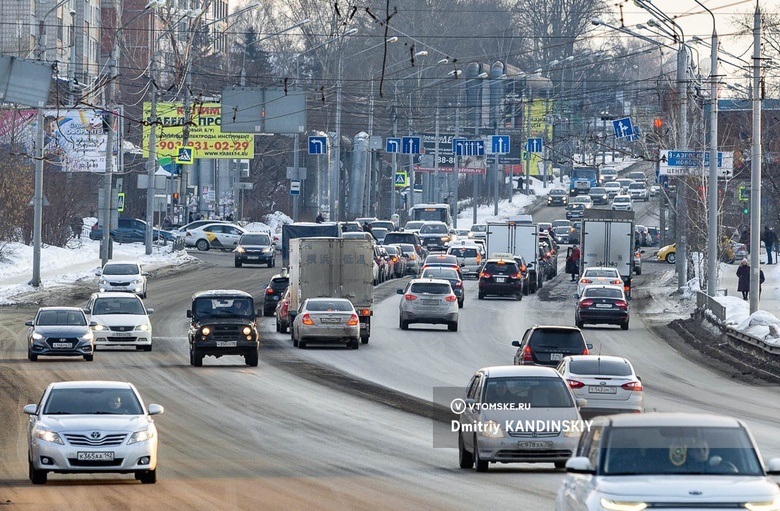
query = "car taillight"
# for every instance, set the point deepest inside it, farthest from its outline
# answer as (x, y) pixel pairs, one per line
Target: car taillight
(632, 385)
(586, 303)
(523, 268)
(306, 320)
(626, 288)
(484, 275)
(412, 257)
(515, 276)
(527, 357)
(395, 259)
(616, 282)
(622, 304)
(364, 312)
(586, 281)
(353, 320)
(409, 297)
(479, 258)
(458, 285)
(574, 384)
(451, 298)
(269, 291)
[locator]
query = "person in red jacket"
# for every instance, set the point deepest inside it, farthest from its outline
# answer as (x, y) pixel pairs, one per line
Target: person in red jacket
(573, 263)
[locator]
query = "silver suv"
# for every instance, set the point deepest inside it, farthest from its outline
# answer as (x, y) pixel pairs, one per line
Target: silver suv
(428, 301)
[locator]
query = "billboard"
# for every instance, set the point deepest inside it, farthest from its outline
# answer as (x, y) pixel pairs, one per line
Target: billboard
(206, 138)
(74, 140)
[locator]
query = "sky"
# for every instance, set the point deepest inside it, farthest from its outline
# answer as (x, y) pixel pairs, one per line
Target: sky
(80, 259)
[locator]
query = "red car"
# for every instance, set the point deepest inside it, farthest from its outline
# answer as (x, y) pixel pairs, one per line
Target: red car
(283, 312)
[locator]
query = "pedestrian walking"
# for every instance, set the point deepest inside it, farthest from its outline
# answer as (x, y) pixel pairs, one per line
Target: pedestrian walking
(573, 262)
(77, 225)
(743, 274)
(167, 224)
(319, 218)
(770, 240)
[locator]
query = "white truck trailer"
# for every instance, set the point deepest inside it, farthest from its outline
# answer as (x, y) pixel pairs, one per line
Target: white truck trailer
(608, 241)
(519, 239)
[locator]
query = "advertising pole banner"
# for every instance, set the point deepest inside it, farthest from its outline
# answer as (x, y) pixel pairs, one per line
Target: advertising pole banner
(206, 138)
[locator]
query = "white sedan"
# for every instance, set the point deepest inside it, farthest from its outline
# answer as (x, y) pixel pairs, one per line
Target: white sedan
(599, 275)
(217, 235)
(92, 427)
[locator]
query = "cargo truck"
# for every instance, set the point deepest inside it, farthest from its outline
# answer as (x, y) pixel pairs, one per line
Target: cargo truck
(608, 241)
(519, 239)
(333, 268)
(306, 230)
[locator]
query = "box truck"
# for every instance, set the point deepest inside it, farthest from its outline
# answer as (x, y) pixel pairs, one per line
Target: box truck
(519, 239)
(608, 241)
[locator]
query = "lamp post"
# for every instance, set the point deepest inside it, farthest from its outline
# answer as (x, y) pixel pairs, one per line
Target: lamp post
(755, 167)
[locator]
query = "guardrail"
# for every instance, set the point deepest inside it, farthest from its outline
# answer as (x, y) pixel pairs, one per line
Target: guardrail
(177, 244)
(707, 302)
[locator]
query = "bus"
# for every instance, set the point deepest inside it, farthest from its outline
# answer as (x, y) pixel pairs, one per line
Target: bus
(431, 213)
(583, 179)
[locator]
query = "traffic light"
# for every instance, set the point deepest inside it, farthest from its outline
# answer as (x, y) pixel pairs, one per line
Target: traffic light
(746, 209)
(175, 198)
(658, 123)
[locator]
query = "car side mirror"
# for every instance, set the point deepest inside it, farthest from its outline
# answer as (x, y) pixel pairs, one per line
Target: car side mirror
(93, 323)
(580, 464)
(28, 323)
(399, 291)
(638, 377)
(145, 274)
(149, 311)
(155, 409)
(516, 344)
(189, 313)
(575, 295)
(773, 467)
(87, 311)
(581, 402)
(590, 346)
(31, 409)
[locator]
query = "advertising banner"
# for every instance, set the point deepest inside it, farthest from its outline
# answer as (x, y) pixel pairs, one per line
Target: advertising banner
(206, 138)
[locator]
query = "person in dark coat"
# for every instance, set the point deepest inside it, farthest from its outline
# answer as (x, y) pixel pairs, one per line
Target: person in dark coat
(770, 239)
(319, 218)
(743, 274)
(77, 225)
(573, 263)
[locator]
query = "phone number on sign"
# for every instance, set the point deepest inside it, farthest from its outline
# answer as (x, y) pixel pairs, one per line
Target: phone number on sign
(219, 145)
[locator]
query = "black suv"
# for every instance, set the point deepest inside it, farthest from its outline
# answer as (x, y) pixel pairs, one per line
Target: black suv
(547, 345)
(255, 248)
(407, 237)
(502, 278)
(557, 197)
(222, 322)
(274, 291)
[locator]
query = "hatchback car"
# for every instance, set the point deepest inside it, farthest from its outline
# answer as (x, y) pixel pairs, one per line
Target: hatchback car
(222, 322)
(599, 275)
(609, 384)
(557, 197)
(548, 344)
(479, 231)
(428, 301)
(413, 260)
(449, 274)
(599, 195)
(255, 248)
(667, 253)
(638, 191)
(469, 256)
(274, 291)
(500, 277)
(613, 188)
(575, 211)
(668, 461)
(622, 203)
(123, 277)
(379, 234)
(601, 305)
(582, 199)
(61, 332)
(218, 236)
(501, 402)
(92, 427)
(326, 321)
(121, 320)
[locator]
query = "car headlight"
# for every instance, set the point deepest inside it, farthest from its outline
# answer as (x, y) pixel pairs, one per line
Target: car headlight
(144, 327)
(36, 336)
(86, 337)
(48, 435)
(240, 250)
(772, 505)
(205, 331)
(142, 436)
(99, 328)
(136, 281)
(102, 282)
(492, 429)
(615, 505)
(268, 249)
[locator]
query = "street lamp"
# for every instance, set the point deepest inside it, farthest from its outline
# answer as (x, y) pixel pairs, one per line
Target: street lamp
(269, 36)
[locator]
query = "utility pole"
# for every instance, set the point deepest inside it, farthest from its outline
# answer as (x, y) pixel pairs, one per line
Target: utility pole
(755, 168)
(370, 174)
(394, 157)
(495, 177)
(108, 179)
(457, 159)
(435, 186)
(410, 197)
(682, 206)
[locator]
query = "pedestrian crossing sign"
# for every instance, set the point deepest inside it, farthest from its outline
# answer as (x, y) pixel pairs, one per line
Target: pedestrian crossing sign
(120, 202)
(184, 156)
(401, 179)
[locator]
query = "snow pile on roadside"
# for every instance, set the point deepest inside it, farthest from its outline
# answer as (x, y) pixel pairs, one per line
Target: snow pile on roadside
(761, 325)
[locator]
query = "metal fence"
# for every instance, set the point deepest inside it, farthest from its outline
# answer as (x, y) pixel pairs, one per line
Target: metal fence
(707, 302)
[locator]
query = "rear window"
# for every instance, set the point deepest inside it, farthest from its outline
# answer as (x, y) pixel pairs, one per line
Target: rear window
(501, 269)
(280, 283)
(449, 259)
(597, 366)
(329, 305)
(565, 339)
(600, 273)
(432, 288)
(399, 237)
(463, 252)
(440, 273)
(604, 292)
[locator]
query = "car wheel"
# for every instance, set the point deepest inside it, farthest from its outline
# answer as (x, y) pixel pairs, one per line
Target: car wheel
(294, 340)
(452, 326)
(202, 245)
(671, 258)
(89, 357)
(579, 324)
(560, 464)
(238, 264)
(271, 263)
(278, 326)
(363, 339)
(480, 464)
(354, 344)
(301, 344)
(147, 476)
(481, 296)
(525, 288)
(460, 304)
(624, 326)
(31, 356)
(197, 358)
(638, 271)
(251, 358)
(403, 325)
(465, 458)
(37, 476)
(519, 296)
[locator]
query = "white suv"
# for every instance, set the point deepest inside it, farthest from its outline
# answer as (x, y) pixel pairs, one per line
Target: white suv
(622, 203)
(638, 191)
(122, 277)
(122, 320)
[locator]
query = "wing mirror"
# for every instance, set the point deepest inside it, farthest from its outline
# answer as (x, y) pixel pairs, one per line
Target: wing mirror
(399, 291)
(516, 344)
(589, 346)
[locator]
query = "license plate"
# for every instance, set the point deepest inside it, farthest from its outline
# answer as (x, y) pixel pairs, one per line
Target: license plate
(276, 298)
(95, 456)
(227, 344)
(500, 279)
(602, 390)
(604, 305)
(61, 345)
(121, 334)
(556, 356)
(330, 320)
(430, 302)
(253, 257)
(534, 445)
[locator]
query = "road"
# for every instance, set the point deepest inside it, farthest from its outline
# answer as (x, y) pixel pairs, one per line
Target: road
(285, 435)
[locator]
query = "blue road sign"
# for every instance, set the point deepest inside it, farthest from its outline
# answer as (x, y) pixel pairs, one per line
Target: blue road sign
(400, 178)
(535, 145)
(184, 156)
(393, 145)
(623, 128)
(410, 145)
(690, 159)
(457, 146)
(499, 144)
(465, 147)
(295, 186)
(317, 145)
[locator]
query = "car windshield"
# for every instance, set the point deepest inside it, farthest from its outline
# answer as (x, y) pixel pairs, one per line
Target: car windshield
(558, 192)
(90, 401)
(61, 317)
(430, 288)
(561, 229)
(118, 305)
(121, 269)
(328, 306)
(406, 248)
(479, 228)
(596, 366)
(223, 308)
(533, 392)
(622, 199)
(597, 191)
(636, 186)
(568, 339)
(433, 229)
(667, 450)
(414, 224)
(603, 292)
(612, 184)
(255, 239)
(463, 252)
(440, 273)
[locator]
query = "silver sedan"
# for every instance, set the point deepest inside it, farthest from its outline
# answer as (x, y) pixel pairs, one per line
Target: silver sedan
(327, 321)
